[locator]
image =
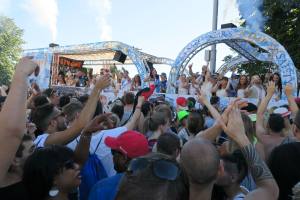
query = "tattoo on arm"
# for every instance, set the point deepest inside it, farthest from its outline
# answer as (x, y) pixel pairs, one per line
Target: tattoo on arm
(258, 168)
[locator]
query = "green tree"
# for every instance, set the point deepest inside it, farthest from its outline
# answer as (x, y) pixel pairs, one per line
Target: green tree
(10, 48)
(283, 24)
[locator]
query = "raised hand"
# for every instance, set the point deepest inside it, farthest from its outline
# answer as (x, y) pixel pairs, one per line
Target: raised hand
(235, 127)
(26, 67)
(100, 122)
(103, 82)
(190, 66)
(203, 99)
(271, 88)
(141, 100)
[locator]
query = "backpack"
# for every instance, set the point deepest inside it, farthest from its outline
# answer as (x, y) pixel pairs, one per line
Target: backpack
(92, 171)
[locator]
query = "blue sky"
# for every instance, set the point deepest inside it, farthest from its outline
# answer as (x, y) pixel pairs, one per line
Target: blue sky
(158, 27)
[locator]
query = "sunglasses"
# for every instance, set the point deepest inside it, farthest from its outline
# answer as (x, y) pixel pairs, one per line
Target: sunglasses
(70, 164)
(161, 168)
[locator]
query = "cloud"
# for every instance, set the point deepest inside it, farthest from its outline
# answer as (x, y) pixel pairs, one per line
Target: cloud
(45, 13)
(102, 9)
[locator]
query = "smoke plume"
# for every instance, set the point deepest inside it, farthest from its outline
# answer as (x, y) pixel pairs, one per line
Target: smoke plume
(102, 9)
(45, 12)
(250, 10)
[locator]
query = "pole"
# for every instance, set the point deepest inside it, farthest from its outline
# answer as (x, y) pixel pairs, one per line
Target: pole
(214, 27)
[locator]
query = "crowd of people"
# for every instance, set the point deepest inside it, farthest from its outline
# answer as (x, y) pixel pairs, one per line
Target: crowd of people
(211, 84)
(57, 147)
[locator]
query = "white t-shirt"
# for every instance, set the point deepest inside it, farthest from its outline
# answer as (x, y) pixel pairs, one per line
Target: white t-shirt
(241, 93)
(221, 93)
(103, 152)
(206, 88)
(181, 89)
(193, 89)
(40, 140)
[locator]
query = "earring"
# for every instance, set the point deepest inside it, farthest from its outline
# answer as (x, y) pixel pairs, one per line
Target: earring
(53, 192)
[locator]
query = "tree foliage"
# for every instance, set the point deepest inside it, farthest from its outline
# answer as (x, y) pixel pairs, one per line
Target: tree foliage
(283, 24)
(10, 48)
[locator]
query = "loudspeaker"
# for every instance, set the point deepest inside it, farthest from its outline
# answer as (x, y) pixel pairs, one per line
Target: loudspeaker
(229, 25)
(120, 57)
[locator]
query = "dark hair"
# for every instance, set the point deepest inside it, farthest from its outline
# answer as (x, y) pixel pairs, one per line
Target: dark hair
(99, 109)
(40, 115)
(239, 86)
(48, 92)
(144, 184)
(214, 100)
(40, 100)
(118, 110)
(223, 79)
(284, 164)
(152, 122)
(168, 144)
(83, 99)
(195, 123)
(128, 98)
(279, 84)
(238, 159)
(191, 102)
(41, 168)
(19, 152)
(139, 81)
(64, 100)
(146, 108)
(276, 123)
(71, 109)
(165, 110)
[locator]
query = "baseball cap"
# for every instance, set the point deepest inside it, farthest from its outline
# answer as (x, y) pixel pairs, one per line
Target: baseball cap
(284, 112)
(182, 114)
(131, 143)
(181, 103)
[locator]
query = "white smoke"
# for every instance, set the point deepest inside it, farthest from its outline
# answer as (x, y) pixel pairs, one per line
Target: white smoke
(45, 13)
(250, 10)
(102, 9)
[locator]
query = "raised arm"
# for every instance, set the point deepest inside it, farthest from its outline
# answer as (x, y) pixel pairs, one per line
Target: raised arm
(64, 137)
(292, 104)
(132, 123)
(191, 69)
(82, 149)
(13, 115)
(266, 185)
(260, 129)
(147, 79)
(213, 132)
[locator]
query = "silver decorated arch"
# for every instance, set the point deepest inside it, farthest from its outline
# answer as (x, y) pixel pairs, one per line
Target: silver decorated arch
(251, 45)
(130, 51)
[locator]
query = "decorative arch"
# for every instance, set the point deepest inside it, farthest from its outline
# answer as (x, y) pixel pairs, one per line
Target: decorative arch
(250, 44)
(130, 51)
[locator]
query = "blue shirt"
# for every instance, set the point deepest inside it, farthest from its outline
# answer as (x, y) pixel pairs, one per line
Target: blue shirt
(106, 189)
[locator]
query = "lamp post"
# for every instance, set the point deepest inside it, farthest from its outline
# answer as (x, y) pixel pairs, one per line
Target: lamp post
(214, 27)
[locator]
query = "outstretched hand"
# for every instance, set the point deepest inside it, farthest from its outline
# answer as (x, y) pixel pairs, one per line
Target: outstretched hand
(235, 127)
(271, 88)
(26, 67)
(103, 82)
(202, 98)
(100, 122)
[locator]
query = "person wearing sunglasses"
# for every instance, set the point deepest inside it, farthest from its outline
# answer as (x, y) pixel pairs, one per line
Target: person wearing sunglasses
(124, 148)
(155, 176)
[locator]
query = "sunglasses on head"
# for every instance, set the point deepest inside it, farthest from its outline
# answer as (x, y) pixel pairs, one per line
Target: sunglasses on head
(161, 168)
